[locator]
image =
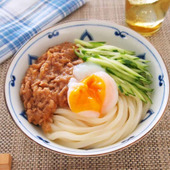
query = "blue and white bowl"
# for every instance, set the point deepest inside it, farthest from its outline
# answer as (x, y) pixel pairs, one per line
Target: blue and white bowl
(86, 30)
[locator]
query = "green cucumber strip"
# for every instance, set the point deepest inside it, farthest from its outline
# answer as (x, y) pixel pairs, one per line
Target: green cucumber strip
(129, 72)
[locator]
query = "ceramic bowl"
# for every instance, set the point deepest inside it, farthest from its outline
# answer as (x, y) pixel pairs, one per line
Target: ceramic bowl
(86, 30)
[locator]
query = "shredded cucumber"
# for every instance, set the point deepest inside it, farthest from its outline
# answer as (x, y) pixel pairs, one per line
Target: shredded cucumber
(129, 72)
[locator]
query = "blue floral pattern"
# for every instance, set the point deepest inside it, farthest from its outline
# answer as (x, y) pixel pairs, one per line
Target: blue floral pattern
(53, 34)
(142, 56)
(45, 141)
(13, 79)
(86, 34)
(148, 114)
(161, 80)
(31, 59)
(128, 139)
(23, 114)
(120, 33)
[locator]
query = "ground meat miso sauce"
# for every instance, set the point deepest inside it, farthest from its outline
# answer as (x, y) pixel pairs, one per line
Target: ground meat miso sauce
(44, 87)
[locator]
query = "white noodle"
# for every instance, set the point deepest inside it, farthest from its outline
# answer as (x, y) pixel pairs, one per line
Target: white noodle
(75, 131)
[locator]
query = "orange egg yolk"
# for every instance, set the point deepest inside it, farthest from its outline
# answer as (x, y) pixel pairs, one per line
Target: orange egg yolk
(88, 95)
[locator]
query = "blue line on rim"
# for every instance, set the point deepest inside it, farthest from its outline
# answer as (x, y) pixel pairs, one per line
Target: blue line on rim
(79, 25)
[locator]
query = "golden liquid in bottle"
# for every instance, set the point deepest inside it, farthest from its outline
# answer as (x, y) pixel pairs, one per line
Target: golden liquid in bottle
(146, 16)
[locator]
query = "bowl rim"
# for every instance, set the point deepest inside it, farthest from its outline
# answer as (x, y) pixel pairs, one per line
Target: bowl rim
(107, 152)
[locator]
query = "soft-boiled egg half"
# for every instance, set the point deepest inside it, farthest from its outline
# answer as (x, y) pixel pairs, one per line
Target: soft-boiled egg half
(91, 91)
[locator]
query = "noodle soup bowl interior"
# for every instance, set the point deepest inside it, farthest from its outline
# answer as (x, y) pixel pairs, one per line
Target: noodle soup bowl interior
(92, 30)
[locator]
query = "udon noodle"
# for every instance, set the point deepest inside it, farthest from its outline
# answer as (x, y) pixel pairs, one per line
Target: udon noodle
(75, 131)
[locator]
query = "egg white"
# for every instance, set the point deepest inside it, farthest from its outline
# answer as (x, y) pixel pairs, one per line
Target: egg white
(83, 70)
